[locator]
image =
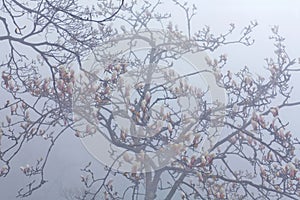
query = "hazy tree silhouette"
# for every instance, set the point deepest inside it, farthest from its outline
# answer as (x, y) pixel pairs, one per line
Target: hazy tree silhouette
(38, 39)
(172, 129)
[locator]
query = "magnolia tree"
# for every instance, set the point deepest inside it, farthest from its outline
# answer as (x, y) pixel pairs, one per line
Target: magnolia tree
(166, 120)
(168, 134)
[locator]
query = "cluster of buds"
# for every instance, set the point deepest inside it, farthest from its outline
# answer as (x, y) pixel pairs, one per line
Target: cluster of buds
(32, 132)
(181, 87)
(84, 178)
(257, 120)
(27, 169)
(229, 75)
(170, 127)
(248, 81)
(234, 85)
(278, 188)
(109, 195)
(139, 86)
(13, 109)
(170, 75)
(87, 131)
(210, 62)
(25, 125)
(261, 147)
(164, 116)
(263, 172)
(109, 185)
(197, 92)
(273, 69)
(145, 102)
(217, 190)
(270, 156)
(280, 134)
(116, 70)
(290, 169)
(220, 194)
(45, 86)
(223, 57)
(67, 76)
(6, 78)
(41, 132)
(134, 173)
(179, 91)
(90, 129)
(66, 81)
(274, 111)
(78, 134)
(192, 161)
(206, 159)
(135, 169)
(233, 139)
(102, 94)
(251, 141)
(218, 74)
(9, 82)
(200, 177)
(4, 170)
(142, 116)
(140, 109)
(228, 78)
(123, 135)
(241, 135)
(64, 84)
(38, 87)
